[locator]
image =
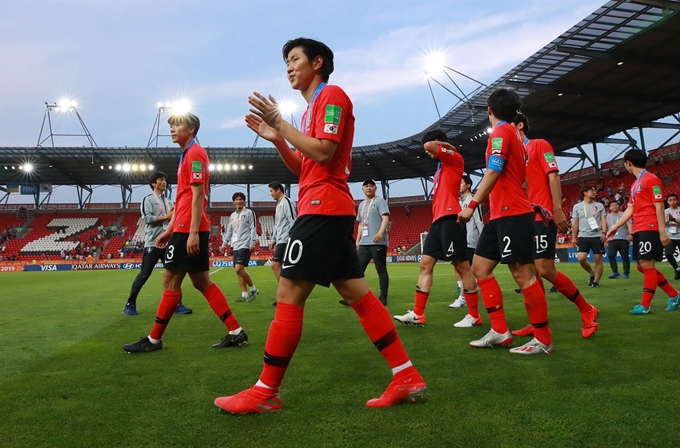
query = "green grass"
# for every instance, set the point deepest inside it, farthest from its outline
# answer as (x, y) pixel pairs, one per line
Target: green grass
(65, 381)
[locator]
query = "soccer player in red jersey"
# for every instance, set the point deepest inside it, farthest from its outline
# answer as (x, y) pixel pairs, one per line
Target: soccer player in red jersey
(324, 227)
(446, 240)
(186, 242)
(543, 186)
(649, 231)
(508, 237)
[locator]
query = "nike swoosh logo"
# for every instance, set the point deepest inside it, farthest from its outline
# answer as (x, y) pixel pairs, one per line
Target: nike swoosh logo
(286, 267)
(541, 251)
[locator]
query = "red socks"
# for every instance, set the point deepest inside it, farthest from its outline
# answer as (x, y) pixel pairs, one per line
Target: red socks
(166, 308)
(663, 284)
(537, 309)
(493, 302)
(421, 301)
(472, 301)
(218, 302)
(282, 341)
(649, 284)
(568, 289)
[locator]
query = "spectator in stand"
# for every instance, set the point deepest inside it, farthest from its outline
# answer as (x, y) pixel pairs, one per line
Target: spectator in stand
(241, 236)
(619, 242)
(157, 212)
(589, 227)
(672, 217)
(407, 211)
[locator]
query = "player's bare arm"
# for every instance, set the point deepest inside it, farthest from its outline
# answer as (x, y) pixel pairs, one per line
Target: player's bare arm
(622, 221)
(658, 206)
(485, 186)
(556, 193)
(197, 200)
(318, 150)
(433, 147)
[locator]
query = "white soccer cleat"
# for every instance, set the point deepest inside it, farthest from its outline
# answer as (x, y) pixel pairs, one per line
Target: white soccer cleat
(468, 322)
(458, 303)
(533, 347)
(411, 318)
(493, 339)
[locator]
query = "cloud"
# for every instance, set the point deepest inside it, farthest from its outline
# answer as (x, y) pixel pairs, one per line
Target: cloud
(232, 123)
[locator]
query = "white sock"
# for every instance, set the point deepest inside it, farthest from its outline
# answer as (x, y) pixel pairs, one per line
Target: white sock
(244, 294)
(253, 288)
(237, 331)
(154, 341)
(261, 384)
(460, 283)
(404, 366)
(461, 297)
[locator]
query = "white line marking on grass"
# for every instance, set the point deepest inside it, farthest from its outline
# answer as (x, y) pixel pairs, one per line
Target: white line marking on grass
(216, 270)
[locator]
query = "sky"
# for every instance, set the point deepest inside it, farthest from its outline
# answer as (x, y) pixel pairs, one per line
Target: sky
(118, 59)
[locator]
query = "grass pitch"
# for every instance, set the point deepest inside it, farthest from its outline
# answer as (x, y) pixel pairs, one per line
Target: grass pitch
(65, 380)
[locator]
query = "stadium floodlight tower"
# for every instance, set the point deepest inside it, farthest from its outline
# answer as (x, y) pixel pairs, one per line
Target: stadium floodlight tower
(165, 109)
(63, 106)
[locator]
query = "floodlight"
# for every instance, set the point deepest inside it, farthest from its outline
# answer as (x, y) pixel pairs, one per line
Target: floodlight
(287, 107)
(118, 167)
(142, 167)
(489, 130)
(219, 167)
(211, 167)
(234, 167)
(126, 167)
(181, 107)
(110, 167)
(150, 167)
(434, 63)
(250, 167)
(159, 104)
(101, 167)
(227, 167)
(168, 104)
(66, 104)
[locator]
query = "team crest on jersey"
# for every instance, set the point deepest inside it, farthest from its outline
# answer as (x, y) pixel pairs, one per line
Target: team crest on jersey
(657, 192)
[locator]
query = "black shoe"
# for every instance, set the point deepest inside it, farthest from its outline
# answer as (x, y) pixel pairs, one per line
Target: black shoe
(591, 281)
(553, 289)
(142, 346)
(518, 290)
(677, 275)
(595, 284)
(343, 303)
(274, 304)
(233, 340)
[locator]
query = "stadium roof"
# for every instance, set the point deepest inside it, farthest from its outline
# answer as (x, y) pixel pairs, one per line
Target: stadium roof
(615, 70)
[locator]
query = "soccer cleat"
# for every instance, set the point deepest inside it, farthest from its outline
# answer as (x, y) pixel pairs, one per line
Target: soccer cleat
(673, 303)
(456, 291)
(181, 309)
(493, 339)
(252, 294)
(518, 290)
(130, 310)
(144, 345)
(468, 322)
(677, 274)
(526, 331)
(591, 280)
(255, 400)
(626, 276)
(639, 310)
(402, 389)
(553, 289)
(589, 325)
(343, 303)
(595, 285)
(614, 275)
(411, 318)
(458, 303)
(233, 340)
(533, 347)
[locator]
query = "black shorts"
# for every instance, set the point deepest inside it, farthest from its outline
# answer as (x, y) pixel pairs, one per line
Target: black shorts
(545, 239)
(279, 250)
(446, 240)
(508, 240)
(470, 254)
(585, 244)
(321, 249)
(241, 256)
(177, 259)
(647, 246)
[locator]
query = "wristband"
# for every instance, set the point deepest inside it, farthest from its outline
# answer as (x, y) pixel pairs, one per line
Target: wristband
(473, 204)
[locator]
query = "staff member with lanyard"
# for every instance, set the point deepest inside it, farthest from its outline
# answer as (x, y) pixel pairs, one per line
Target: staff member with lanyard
(619, 242)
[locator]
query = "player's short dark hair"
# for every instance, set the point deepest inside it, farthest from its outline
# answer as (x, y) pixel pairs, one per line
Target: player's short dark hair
(188, 118)
(504, 104)
(671, 195)
(312, 48)
(276, 186)
(467, 179)
(637, 157)
(434, 135)
(521, 118)
(155, 176)
(238, 194)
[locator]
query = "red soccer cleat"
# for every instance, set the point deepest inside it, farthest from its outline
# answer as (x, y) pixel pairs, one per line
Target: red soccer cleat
(589, 319)
(408, 388)
(255, 400)
(526, 331)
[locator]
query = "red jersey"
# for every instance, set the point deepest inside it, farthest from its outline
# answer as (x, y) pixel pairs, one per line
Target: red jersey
(541, 163)
(193, 169)
(505, 153)
(323, 190)
(447, 184)
(644, 193)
